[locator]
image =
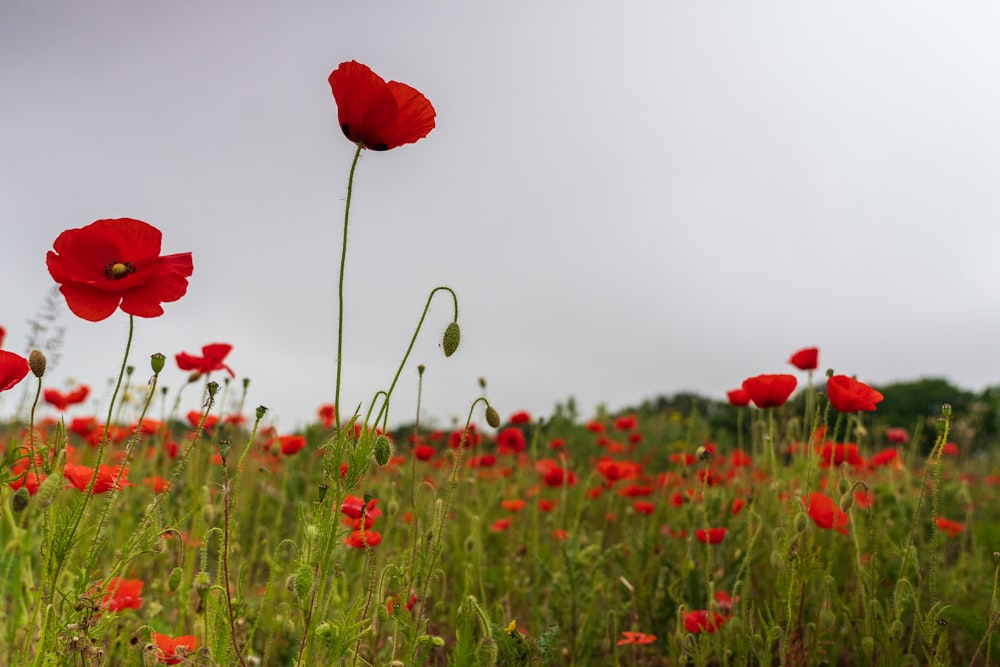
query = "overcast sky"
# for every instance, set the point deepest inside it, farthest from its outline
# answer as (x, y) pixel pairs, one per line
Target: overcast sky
(629, 198)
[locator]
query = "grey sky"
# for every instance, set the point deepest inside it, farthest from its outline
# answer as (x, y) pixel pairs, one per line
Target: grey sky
(629, 198)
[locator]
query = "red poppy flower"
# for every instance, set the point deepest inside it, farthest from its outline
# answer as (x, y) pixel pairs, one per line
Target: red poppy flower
(424, 452)
(513, 504)
(354, 507)
(835, 454)
(291, 444)
(644, 507)
(13, 368)
(700, 620)
(738, 397)
(953, 528)
(116, 263)
(3, 334)
(825, 513)
(710, 536)
(511, 441)
(210, 360)
(848, 395)
(327, 415)
(61, 400)
(522, 417)
(553, 474)
(359, 539)
(595, 427)
(500, 525)
(171, 650)
(123, 594)
(626, 423)
(156, 483)
(377, 114)
(770, 391)
(885, 457)
(897, 435)
(806, 359)
(636, 638)
(80, 476)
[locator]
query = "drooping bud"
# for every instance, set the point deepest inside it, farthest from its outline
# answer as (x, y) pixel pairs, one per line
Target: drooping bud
(846, 501)
(801, 522)
(452, 337)
(492, 417)
(36, 362)
(303, 584)
(383, 450)
(174, 580)
(20, 499)
(157, 361)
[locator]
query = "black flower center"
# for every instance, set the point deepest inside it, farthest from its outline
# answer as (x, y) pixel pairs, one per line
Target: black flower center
(118, 270)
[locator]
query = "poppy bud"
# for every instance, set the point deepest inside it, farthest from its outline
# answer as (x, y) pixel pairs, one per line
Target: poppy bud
(36, 362)
(20, 499)
(194, 377)
(157, 361)
(201, 583)
(487, 652)
(302, 584)
(846, 501)
(826, 618)
(482, 383)
(383, 450)
(174, 580)
(420, 369)
(452, 337)
(382, 613)
(868, 646)
(325, 633)
(492, 417)
(801, 522)
(897, 629)
(48, 489)
(843, 485)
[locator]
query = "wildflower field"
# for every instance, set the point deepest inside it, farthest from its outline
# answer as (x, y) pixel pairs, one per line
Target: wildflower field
(788, 524)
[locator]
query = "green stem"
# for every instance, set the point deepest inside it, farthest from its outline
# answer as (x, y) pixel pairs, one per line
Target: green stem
(340, 291)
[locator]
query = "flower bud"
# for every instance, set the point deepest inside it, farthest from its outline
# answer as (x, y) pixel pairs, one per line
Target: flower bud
(20, 499)
(201, 583)
(801, 521)
(492, 417)
(846, 501)
(868, 646)
(383, 450)
(303, 584)
(452, 337)
(36, 362)
(487, 652)
(174, 580)
(157, 361)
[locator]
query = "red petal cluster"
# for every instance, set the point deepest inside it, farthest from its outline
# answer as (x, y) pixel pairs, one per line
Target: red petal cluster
(211, 359)
(116, 263)
(770, 391)
(377, 114)
(848, 395)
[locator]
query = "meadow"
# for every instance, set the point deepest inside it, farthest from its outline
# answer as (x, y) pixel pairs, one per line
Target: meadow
(805, 531)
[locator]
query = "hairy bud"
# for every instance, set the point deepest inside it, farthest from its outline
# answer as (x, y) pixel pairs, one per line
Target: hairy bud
(174, 580)
(383, 450)
(492, 417)
(452, 337)
(20, 499)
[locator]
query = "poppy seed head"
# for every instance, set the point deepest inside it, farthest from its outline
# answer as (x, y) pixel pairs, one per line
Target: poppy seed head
(36, 362)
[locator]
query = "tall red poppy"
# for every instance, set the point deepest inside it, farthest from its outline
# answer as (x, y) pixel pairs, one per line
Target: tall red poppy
(116, 263)
(806, 359)
(13, 368)
(211, 359)
(770, 391)
(848, 395)
(377, 114)
(701, 620)
(711, 535)
(62, 400)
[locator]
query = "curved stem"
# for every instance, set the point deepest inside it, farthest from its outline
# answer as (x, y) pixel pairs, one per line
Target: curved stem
(413, 340)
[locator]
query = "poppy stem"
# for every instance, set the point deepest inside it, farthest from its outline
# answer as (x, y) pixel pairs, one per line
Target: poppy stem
(340, 289)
